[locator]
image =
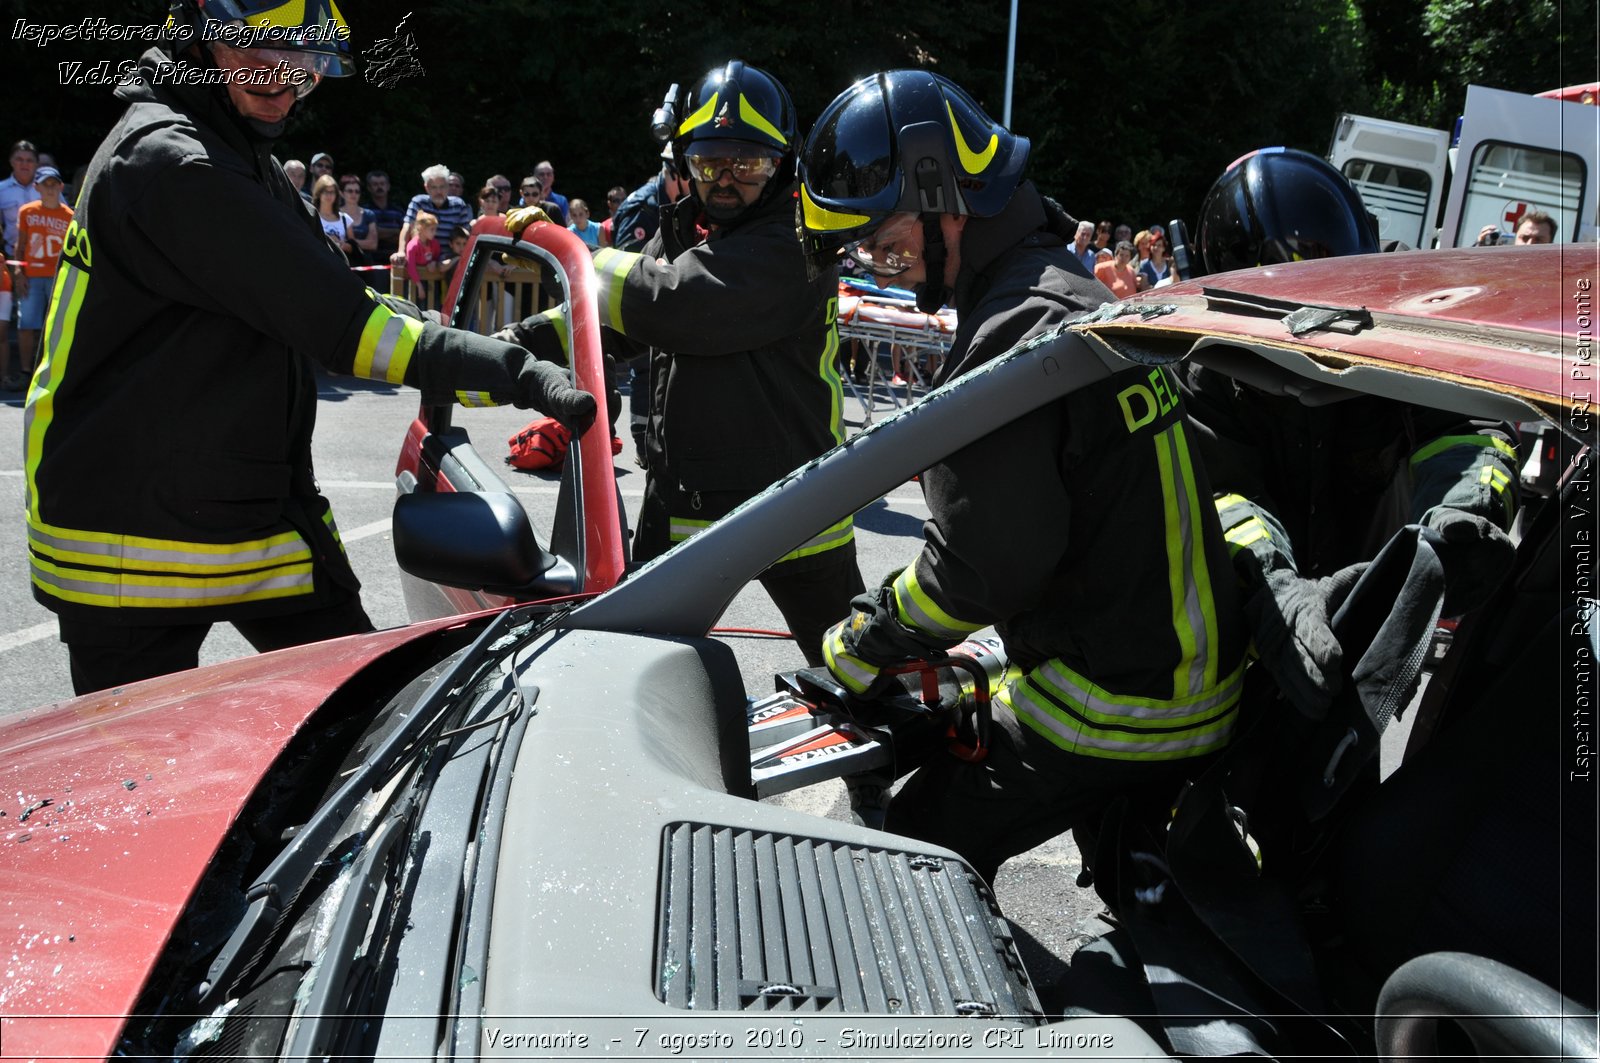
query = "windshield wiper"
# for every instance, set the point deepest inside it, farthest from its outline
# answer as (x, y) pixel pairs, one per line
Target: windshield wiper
(278, 887)
(458, 772)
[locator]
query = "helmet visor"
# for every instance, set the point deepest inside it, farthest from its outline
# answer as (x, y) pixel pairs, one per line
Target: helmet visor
(302, 71)
(748, 163)
(888, 250)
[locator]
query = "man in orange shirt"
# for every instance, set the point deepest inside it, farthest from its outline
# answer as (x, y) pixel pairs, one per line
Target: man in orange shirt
(1117, 273)
(41, 227)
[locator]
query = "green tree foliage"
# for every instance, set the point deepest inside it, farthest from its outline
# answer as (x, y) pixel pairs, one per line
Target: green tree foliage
(1422, 54)
(1525, 46)
(1393, 37)
(1141, 106)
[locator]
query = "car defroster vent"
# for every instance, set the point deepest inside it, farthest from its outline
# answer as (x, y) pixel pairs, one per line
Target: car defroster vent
(750, 921)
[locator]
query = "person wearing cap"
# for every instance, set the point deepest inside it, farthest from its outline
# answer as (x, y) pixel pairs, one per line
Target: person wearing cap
(745, 383)
(41, 228)
(1083, 530)
(321, 163)
(168, 480)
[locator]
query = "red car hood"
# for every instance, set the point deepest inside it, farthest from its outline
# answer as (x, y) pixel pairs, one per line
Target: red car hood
(142, 784)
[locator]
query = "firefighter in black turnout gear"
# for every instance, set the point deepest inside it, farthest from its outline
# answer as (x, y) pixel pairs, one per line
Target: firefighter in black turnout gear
(168, 440)
(1308, 492)
(1083, 531)
(745, 385)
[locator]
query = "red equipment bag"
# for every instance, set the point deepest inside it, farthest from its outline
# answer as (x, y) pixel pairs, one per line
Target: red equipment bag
(540, 444)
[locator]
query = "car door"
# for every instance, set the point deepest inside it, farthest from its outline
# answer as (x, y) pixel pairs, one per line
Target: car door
(451, 500)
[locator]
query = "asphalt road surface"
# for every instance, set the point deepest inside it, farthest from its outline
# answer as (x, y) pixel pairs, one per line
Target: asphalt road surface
(359, 429)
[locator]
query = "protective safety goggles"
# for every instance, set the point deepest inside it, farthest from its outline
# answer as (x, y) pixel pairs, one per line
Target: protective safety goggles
(302, 71)
(885, 252)
(749, 168)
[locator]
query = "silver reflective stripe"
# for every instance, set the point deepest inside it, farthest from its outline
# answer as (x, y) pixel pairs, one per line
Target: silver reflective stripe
(383, 350)
(292, 549)
(909, 598)
(680, 528)
(1074, 693)
(832, 535)
(69, 286)
(827, 540)
(199, 593)
(1185, 504)
(1185, 742)
(857, 674)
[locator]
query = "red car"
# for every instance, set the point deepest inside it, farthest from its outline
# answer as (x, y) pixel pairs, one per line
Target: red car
(530, 832)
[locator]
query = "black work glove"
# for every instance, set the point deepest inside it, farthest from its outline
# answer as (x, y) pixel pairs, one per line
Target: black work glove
(548, 389)
(464, 364)
(1475, 553)
(1291, 624)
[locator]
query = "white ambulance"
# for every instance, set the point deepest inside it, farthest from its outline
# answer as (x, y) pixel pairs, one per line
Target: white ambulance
(1512, 154)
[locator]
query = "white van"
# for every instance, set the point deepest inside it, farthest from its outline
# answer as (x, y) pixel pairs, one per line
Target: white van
(1398, 169)
(1514, 154)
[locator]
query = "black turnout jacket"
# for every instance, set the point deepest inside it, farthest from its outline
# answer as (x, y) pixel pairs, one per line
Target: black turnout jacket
(169, 424)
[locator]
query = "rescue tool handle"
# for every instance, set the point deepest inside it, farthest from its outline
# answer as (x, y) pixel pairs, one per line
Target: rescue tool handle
(979, 711)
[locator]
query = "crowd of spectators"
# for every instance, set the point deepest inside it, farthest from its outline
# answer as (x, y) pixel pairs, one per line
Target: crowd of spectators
(1125, 261)
(362, 216)
(375, 228)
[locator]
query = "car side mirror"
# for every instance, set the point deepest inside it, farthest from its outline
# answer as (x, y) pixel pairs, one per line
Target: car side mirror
(479, 541)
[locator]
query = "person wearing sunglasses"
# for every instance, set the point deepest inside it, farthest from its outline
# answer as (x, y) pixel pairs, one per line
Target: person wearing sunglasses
(170, 483)
(363, 222)
(1083, 530)
(531, 193)
(742, 369)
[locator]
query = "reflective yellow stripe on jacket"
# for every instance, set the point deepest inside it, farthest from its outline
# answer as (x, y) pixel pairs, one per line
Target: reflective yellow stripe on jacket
(130, 571)
(849, 669)
(66, 300)
(1241, 527)
(1489, 453)
(918, 611)
(832, 537)
(611, 268)
(1079, 716)
(387, 341)
(1082, 718)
